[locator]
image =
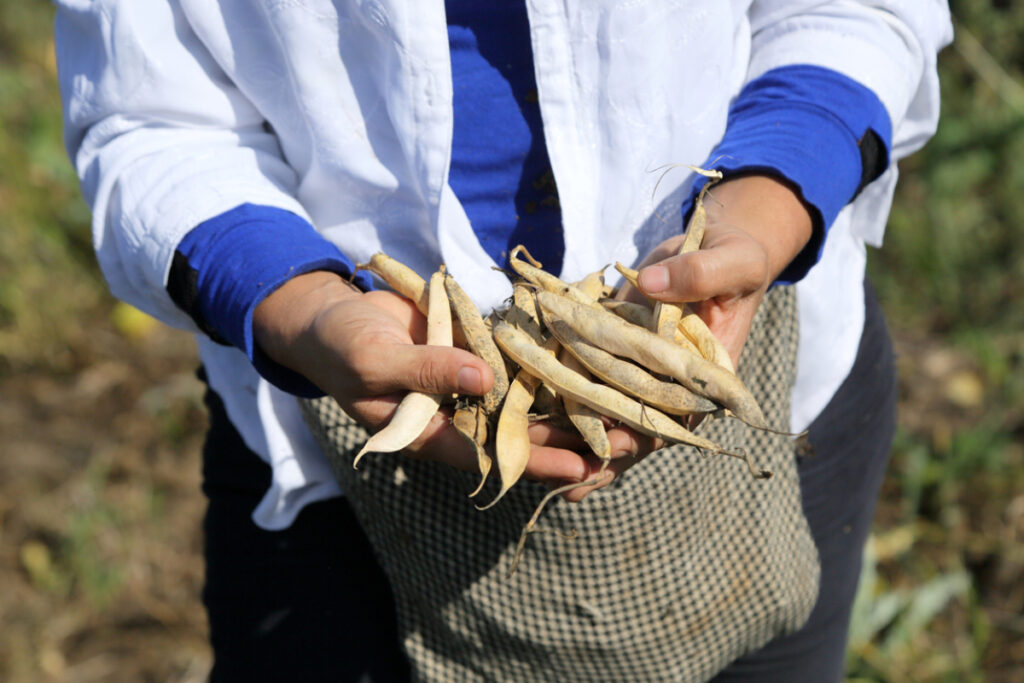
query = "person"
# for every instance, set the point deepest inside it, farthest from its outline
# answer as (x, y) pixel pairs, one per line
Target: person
(240, 158)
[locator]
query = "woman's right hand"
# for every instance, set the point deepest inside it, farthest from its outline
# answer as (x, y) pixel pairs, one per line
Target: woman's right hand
(367, 351)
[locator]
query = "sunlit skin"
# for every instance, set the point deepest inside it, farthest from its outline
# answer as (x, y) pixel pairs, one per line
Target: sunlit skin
(366, 349)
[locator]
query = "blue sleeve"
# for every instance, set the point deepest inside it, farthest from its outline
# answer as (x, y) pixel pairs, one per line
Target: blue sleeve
(227, 265)
(825, 134)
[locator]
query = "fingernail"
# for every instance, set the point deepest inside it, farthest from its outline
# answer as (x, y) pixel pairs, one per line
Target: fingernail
(654, 279)
(470, 381)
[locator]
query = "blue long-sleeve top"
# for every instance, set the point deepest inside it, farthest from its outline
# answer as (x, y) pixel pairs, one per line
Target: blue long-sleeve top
(823, 133)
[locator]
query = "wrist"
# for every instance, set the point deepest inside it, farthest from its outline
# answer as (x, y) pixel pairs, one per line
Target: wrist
(281, 320)
(767, 210)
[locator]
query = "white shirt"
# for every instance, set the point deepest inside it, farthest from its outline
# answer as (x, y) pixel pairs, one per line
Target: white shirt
(166, 102)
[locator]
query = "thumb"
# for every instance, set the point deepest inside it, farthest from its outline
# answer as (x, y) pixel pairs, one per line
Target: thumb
(429, 369)
(731, 266)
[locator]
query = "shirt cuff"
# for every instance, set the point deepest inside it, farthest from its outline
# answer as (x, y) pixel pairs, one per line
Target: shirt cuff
(227, 265)
(822, 132)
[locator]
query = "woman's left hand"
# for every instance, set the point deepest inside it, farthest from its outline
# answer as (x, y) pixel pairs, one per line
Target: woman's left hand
(756, 226)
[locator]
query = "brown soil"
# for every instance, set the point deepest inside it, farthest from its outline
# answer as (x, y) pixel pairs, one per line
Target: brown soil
(100, 513)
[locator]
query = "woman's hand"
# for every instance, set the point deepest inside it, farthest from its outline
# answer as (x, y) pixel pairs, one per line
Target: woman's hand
(367, 351)
(756, 226)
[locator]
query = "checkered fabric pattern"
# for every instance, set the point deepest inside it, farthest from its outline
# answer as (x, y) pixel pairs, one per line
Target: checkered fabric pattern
(681, 565)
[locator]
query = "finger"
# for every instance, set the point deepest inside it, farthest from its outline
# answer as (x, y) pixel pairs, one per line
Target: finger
(544, 433)
(670, 247)
(731, 322)
(629, 443)
(604, 477)
(602, 474)
(556, 464)
(730, 267)
(441, 442)
(429, 369)
(373, 413)
(628, 448)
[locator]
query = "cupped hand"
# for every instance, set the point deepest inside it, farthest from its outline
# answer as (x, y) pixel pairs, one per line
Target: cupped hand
(756, 226)
(368, 350)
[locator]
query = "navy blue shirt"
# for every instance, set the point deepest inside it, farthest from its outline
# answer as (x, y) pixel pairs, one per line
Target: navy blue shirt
(500, 170)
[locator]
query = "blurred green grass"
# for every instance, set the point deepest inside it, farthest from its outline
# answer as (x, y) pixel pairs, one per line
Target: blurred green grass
(943, 600)
(942, 592)
(48, 279)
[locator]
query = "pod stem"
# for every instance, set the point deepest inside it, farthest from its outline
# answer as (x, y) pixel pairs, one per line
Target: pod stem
(755, 471)
(531, 525)
(763, 428)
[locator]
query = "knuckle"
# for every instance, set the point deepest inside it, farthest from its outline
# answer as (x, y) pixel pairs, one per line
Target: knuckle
(431, 376)
(361, 377)
(361, 358)
(699, 277)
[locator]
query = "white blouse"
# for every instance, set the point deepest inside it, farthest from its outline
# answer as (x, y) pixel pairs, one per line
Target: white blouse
(167, 104)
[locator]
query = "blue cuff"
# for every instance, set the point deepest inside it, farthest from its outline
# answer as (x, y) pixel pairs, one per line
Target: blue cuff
(824, 133)
(230, 263)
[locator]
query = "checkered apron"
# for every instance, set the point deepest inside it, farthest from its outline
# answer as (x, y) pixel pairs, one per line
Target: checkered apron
(681, 565)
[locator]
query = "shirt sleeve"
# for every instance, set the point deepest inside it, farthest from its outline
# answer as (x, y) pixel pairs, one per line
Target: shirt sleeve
(162, 141)
(823, 133)
(836, 92)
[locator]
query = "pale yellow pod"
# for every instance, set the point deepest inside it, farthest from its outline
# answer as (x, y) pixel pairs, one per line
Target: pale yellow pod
(641, 316)
(407, 282)
(697, 226)
(415, 411)
(696, 331)
(666, 319)
(479, 340)
(400, 278)
(523, 312)
(512, 442)
(593, 284)
(638, 314)
(587, 421)
(609, 332)
(439, 312)
(410, 419)
(532, 273)
(471, 422)
(693, 328)
(628, 377)
(601, 398)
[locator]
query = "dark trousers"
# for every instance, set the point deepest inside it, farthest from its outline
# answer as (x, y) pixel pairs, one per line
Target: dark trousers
(851, 440)
(305, 604)
(310, 603)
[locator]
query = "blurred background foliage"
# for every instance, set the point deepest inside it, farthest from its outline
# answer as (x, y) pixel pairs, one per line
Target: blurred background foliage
(100, 413)
(45, 238)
